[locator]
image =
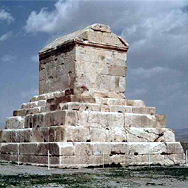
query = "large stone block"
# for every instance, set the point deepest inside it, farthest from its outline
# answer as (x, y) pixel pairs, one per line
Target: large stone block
(149, 135)
(142, 120)
(7, 148)
(15, 122)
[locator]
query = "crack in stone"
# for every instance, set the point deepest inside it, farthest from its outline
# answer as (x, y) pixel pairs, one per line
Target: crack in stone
(159, 135)
(137, 135)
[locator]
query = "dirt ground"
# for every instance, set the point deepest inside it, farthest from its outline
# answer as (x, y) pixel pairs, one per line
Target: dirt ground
(12, 175)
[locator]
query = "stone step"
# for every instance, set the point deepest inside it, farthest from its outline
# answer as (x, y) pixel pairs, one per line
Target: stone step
(40, 103)
(88, 107)
(91, 94)
(53, 103)
(80, 154)
(106, 108)
(86, 134)
(86, 118)
(47, 96)
(27, 111)
(15, 122)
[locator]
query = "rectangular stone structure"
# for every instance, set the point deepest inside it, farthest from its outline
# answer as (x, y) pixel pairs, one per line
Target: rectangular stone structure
(90, 59)
(81, 116)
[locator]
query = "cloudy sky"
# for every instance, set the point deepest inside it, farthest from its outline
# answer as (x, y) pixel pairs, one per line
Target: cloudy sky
(157, 32)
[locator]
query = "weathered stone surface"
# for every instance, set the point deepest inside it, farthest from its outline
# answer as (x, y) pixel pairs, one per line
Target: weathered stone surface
(106, 108)
(93, 51)
(96, 153)
(81, 116)
(87, 134)
(15, 123)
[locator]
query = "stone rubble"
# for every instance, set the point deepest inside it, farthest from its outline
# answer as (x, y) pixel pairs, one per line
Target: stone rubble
(81, 115)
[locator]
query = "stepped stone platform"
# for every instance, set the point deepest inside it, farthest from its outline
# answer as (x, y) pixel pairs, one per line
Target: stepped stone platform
(81, 116)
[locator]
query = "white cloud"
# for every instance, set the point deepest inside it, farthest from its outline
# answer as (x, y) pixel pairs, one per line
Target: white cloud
(49, 21)
(149, 72)
(5, 36)
(6, 16)
(7, 58)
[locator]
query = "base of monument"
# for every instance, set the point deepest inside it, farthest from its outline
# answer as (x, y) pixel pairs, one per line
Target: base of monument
(94, 154)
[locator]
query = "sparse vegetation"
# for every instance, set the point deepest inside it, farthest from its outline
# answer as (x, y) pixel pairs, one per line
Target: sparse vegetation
(107, 177)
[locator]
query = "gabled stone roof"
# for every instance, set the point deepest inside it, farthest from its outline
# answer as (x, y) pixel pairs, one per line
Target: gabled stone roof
(96, 35)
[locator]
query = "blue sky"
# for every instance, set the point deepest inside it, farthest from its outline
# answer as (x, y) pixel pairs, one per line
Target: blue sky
(155, 30)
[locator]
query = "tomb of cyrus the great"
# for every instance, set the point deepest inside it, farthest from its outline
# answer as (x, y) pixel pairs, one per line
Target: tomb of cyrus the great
(81, 116)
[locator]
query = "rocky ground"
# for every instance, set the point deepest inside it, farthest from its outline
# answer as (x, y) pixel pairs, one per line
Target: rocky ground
(31, 176)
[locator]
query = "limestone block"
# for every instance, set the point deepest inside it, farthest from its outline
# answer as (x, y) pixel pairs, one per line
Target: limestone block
(22, 135)
(156, 159)
(122, 84)
(140, 135)
(98, 160)
(98, 134)
(5, 136)
(111, 101)
(15, 122)
(106, 82)
(83, 149)
(77, 134)
(119, 148)
(120, 109)
(103, 119)
(56, 70)
(20, 112)
(144, 148)
(34, 104)
(35, 120)
(117, 134)
(38, 148)
(174, 148)
(79, 106)
(73, 161)
(24, 112)
(140, 120)
(7, 148)
(149, 135)
(178, 159)
(39, 160)
(101, 148)
(106, 108)
(161, 120)
(144, 110)
(57, 134)
(117, 159)
(28, 148)
(117, 70)
(167, 135)
(55, 118)
(9, 157)
(78, 162)
(40, 134)
(46, 96)
(68, 162)
(54, 148)
(137, 160)
(16, 135)
(139, 103)
(67, 149)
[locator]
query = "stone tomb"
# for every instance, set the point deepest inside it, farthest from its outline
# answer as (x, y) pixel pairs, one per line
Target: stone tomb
(81, 115)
